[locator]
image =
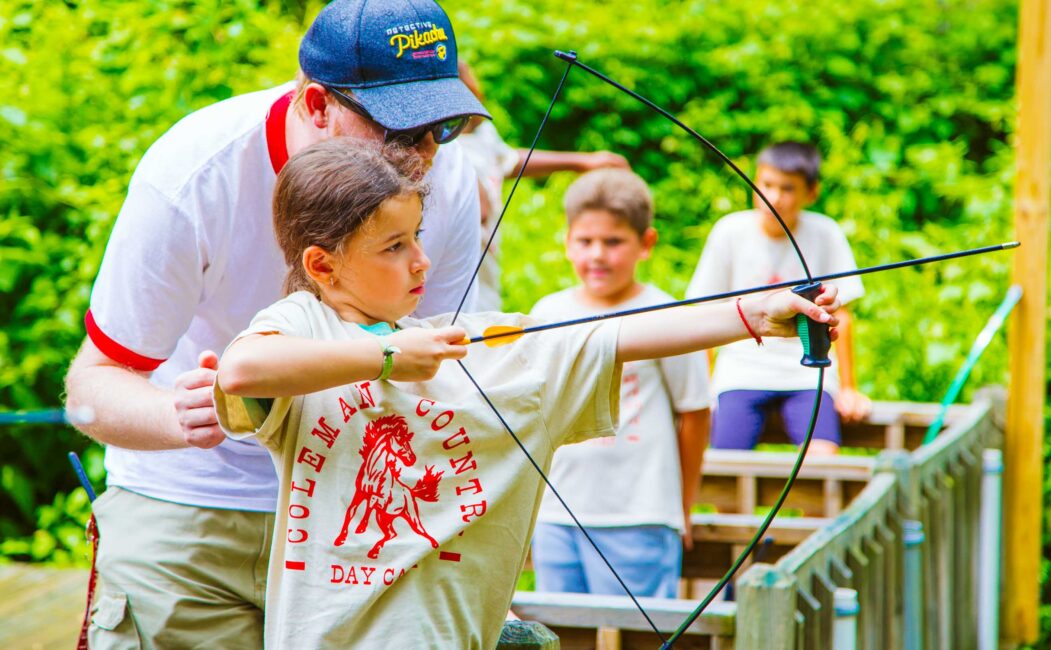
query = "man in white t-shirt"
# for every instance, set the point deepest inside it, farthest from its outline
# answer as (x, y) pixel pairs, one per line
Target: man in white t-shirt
(750, 248)
(186, 521)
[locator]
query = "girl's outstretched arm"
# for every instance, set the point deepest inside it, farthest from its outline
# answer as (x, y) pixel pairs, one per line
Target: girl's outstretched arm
(686, 329)
(261, 365)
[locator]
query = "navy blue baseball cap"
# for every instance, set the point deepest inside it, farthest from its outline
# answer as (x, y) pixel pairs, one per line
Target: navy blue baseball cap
(397, 57)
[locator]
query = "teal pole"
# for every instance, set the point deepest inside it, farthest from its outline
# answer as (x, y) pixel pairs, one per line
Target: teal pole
(82, 415)
(995, 322)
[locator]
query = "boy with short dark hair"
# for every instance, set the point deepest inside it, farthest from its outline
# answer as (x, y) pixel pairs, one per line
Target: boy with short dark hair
(633, 492)
(750, 248)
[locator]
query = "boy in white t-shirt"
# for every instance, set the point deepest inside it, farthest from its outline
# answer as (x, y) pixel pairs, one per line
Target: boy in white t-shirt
(404, 507)
(750, 248)
(632, 492)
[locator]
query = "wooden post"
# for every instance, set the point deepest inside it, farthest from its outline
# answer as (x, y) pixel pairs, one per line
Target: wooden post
(766, 609)
(607, 638)
(1023, 443)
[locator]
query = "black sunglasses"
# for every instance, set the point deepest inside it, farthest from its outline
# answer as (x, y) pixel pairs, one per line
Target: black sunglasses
(444, 132)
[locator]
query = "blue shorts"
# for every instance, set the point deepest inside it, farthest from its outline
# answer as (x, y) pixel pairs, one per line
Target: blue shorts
(739, 418)
(647, 558)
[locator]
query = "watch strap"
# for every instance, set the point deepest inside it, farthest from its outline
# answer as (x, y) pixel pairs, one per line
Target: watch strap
(388, 357)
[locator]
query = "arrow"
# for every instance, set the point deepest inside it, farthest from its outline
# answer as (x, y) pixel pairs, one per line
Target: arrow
(497, 335)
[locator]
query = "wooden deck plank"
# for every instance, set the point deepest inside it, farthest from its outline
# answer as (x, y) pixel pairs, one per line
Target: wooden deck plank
(43, 608)
(595, 611)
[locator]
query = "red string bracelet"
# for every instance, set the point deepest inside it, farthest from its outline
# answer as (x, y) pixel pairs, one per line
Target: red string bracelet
(758, 339)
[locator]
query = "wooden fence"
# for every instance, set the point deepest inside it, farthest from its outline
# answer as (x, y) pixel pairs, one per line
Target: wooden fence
(856, 510)
(938, 485)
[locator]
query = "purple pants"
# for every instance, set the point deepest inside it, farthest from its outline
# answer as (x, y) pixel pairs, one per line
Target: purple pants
(739, 418)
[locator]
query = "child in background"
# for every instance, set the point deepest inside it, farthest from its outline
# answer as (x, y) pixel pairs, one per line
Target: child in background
(493, 161)
(632, 492)
(404, 508)
(750, 248)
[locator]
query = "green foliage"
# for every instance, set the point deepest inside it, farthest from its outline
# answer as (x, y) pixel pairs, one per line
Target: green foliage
(1044, 641)
(910, 102)
(86, 87)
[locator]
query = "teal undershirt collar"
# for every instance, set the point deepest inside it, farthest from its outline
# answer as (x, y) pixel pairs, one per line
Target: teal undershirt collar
(378, 329)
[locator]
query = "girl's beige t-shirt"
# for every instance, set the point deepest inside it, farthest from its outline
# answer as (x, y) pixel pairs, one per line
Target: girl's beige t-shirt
(405, 509)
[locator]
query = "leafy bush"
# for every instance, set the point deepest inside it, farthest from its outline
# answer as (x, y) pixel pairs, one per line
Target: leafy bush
(911, 104)
(86, 87)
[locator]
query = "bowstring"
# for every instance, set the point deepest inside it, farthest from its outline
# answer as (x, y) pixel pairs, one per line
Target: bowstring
(510, 195)
(492, 406)
(521, 446)
(571, 58)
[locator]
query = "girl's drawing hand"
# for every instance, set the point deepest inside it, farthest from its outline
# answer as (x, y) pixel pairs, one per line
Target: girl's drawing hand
(423, 351)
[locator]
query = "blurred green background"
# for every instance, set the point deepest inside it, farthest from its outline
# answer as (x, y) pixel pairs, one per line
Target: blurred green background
(911, 103)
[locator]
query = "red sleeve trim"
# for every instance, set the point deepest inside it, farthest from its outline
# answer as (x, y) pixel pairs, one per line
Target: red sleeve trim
(275, 131)
(115, 350)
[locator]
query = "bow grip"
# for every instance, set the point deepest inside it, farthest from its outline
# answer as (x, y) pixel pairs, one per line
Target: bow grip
(813, 335)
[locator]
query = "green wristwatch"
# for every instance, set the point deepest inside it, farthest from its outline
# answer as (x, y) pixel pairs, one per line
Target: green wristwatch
(388, 357)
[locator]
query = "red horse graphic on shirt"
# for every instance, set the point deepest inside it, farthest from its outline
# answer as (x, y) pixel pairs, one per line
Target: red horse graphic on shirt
(386, 450)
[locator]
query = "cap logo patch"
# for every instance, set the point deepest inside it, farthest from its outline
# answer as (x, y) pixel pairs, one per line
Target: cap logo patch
(410, 38)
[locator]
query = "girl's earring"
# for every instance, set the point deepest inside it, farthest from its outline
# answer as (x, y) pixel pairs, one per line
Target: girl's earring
(331, 281)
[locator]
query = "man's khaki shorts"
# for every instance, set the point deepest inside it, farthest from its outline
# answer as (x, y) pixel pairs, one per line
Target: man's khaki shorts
(176, 576)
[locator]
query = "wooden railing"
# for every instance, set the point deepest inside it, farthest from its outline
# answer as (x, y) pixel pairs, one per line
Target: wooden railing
(857, 509)
(890, 426)
(860, 550)
(719, 538)
(942, 491)
(790, 604)
(587, 621)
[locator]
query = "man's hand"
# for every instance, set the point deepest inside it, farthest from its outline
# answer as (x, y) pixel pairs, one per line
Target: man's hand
(194, 408)
(852, 405)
